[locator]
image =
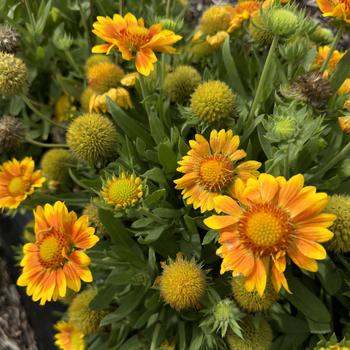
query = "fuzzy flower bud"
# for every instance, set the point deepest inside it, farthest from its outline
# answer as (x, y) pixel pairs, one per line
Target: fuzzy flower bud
(92, 138)
(180, 84)
(213, 101)
(322, 36)
(95, 59)
(282, 21)
(258, 30)
(284, 128)
(13, 75)
(215, 19)
(11, 132)
(9, 39)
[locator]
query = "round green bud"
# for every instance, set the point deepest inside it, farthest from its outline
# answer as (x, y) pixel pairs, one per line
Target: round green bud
(11, 132)
(104, 76)
(95, 59)
(284, 128)
(322, 36)
(213, 101)
(215, 19)
(223, 311)
(85, 98)
(258, 30)
(91, 210)
(81, 316)
(9, 39)
(55, 165)
(13, 75)
(283, 22)
(180, 84)
(170, 24)
(295, 48)
(340, 206)
(252, 301)
(201, 50)
(255, 337)
(92, 138)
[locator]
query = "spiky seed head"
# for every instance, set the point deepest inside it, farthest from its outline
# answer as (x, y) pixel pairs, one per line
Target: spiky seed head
(9, 39)
(258, 30)
(282, 21)
(95, 59)
(213, 101)
(322, 36)
(215, 19)
(13, 75)
(180, 84)
(92, 138)
(11, 132)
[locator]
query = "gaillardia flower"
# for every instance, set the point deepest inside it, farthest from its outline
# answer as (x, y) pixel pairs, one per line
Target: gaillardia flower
(339, 9)
(17, 181)
(321, 56)
(182, 283)
(242, 12)
(68, 338)
(210, 168)
(123, 191)
(56, 261)
(277, 218)
(121, 96)
(130, 36)
(344, 123)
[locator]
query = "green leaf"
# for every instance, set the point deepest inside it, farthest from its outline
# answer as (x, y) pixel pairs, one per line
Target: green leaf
(130, 126)
(134, 343)
(342, 71)
(330, 276)
(157, 128)
(104, 297)
(127, 304)
(167, 158)
(156, 175)
(309, 304)
(209, 237)
(231, 69)
(155, 197)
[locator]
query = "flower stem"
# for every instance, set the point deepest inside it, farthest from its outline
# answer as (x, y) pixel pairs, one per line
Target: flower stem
(46, 145)
(73, 63)
(121, 7)
(331, 50)
(263, 77)
(167, 10)
(85, 24)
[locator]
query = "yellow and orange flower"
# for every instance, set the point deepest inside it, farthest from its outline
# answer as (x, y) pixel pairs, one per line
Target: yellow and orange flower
(68, 338)
(322, 54)
(344, 123)
(210, 168)
(130, 36)
(17, 181)
(56, 261)
(121, 96)
(242, 12)
(339, 9)
(276, 218)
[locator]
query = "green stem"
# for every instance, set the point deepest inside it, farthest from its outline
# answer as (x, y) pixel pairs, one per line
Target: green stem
(45, 145)
(30, 15)
(29, 103)
(286, 163)
(121, 7)
(143, 92)
(85, 24)
(73, 63)
(167, 10)
(263, 78)
(331, 50)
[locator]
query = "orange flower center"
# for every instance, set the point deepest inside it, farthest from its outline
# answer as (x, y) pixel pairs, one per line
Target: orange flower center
(135, 37)
(50, 251)
(17, 186)
(216, 172)
(265, 228)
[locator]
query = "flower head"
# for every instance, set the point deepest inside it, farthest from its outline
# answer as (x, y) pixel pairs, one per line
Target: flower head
(276, 218)
(92, 138)
(17, 181)
(322, 54)
(180, 84)
(91, 210)
(258, 30)
(57, 261)
(123, 191)
(104, 76)
(121, 96)
(252, 301)
(257, 337)
(340, 206)
(182, 283)
(130, 79)
(339, 9)
(212, 101)
(9, 39)
(215, 19)
(81, 316)
(344, 123)
(11, 132)
(242, 12)
(210, 168)
(95, 59)
(55, 164)
(130, 36)
(85, 98)
(68, 338)
(13, 75)
(65, 108)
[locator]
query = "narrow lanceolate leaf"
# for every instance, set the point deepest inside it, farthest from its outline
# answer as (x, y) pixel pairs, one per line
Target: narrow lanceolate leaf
(341, 72)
